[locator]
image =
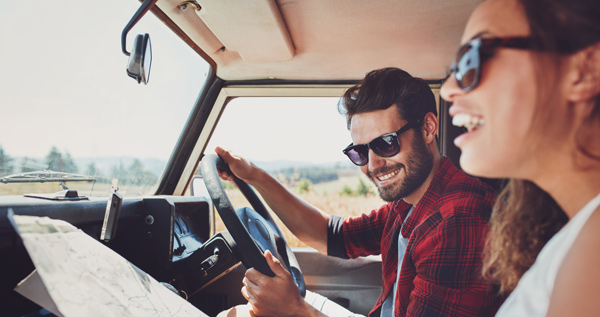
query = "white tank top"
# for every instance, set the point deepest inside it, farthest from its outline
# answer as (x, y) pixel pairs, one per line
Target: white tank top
(531, 297)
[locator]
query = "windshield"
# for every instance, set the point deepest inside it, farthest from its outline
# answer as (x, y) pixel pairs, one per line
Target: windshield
(71, 116)
(299, 141)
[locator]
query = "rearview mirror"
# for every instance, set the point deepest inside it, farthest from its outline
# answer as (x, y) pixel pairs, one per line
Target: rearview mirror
(140, 59)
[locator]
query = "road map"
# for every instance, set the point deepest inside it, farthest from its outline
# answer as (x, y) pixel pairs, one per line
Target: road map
(82, 277)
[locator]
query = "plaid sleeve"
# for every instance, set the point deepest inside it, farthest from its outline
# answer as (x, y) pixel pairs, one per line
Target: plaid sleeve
(335, 237)
(448, 264)
(356, 236)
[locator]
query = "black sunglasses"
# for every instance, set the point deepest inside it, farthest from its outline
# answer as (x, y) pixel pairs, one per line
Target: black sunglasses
(386, 145)
(470, 57)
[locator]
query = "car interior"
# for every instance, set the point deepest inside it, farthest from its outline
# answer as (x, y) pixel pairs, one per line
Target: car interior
(254, 49)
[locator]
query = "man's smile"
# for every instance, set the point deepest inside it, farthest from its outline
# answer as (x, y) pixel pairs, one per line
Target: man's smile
(388, 175)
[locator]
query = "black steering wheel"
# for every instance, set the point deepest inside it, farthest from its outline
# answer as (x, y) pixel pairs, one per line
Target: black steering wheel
(254, 231)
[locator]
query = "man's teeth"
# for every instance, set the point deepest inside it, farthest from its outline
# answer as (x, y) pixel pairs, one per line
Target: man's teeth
(467, 121)
(388, 176)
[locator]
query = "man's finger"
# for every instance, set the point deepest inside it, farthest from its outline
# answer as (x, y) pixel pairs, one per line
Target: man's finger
(250, 283)
(220, 151)
(275, 264)
(245, 293)
(248, 295)
(225, 175)
(228, 159)
(253, 288)
(254, 276)
(224, 154)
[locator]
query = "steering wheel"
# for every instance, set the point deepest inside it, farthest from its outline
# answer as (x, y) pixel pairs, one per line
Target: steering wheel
(254, 230)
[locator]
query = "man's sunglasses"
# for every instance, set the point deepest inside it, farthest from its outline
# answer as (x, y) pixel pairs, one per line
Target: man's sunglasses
(386, 145)
(470, 58)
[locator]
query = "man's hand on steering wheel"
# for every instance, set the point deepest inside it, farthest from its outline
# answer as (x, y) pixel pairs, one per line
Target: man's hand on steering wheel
(273, 296)
(239, 166)
(253, 229)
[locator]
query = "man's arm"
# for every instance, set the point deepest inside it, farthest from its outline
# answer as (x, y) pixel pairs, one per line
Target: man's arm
(306, 222)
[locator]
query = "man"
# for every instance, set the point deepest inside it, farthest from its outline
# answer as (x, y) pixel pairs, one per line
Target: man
(431, 232)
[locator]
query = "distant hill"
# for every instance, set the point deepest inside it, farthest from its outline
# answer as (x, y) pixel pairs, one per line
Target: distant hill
(277, 165)
(106, 164)
(156, 166)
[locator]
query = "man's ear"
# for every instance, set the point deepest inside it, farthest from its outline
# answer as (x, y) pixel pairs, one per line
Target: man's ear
(430, 127)
(584, 83)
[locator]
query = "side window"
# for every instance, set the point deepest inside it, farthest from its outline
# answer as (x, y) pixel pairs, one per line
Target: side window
(299, 141)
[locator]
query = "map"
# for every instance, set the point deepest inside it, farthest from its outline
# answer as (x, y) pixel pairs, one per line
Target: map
(82, 277)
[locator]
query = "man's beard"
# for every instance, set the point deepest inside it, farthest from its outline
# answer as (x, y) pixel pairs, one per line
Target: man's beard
(420, 163)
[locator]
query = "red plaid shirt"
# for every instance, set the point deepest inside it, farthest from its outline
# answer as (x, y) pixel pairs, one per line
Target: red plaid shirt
(441, 269)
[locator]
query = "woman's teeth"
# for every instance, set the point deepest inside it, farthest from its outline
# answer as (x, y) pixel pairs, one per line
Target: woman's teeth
(467, 121)
(388, 176)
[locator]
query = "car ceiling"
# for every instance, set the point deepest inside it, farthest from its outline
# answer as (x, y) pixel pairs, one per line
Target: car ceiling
(322, 39)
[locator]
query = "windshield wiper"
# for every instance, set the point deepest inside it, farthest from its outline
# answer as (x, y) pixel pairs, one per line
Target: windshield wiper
(45, 176)
(50, 176)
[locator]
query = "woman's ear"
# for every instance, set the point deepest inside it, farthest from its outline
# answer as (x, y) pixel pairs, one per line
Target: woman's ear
(584, 83)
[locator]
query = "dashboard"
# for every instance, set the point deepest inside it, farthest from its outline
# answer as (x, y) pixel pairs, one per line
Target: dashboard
(169, 237)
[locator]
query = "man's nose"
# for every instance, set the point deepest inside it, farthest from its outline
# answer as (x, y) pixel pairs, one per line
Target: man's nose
(375, 161)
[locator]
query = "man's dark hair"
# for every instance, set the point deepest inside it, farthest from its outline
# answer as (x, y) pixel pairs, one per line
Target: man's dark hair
(381, 88)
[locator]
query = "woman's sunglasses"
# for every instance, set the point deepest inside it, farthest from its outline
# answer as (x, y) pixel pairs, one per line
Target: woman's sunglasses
(386, 145)
(470, 58)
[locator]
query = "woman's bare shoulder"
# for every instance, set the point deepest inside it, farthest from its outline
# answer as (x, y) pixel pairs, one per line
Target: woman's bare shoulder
(577, 286)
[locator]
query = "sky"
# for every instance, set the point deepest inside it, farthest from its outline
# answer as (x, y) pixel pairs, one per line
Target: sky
(63, 84)
(298, 129)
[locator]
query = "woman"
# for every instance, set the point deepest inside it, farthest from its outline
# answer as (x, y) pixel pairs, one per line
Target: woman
(526, 85)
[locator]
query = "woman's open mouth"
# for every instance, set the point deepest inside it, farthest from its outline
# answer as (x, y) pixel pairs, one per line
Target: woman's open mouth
(468, 121)
(471, 122)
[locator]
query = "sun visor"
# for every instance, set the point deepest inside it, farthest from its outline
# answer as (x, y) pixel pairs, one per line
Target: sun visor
(252, 28)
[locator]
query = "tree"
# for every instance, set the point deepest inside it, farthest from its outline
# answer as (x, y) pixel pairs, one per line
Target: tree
(60, 163)
(362, 189)
(119, 172)
(29, 165)
(6, 165)
(347, 191)
(134, 175)
(304, 185)
(54, 160)
(69, 164)
(92, 170)
(315, 175)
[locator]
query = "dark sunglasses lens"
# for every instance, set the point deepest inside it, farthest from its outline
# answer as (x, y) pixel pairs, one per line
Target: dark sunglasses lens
(357, 155)
(467, 67)
(386, 146)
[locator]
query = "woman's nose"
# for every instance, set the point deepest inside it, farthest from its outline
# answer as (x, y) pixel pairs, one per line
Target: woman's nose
(450, 89)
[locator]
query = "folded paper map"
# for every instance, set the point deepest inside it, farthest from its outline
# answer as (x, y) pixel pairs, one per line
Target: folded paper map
(78, 276)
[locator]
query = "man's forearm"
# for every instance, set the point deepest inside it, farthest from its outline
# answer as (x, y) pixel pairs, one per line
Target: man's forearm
(305, 221)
